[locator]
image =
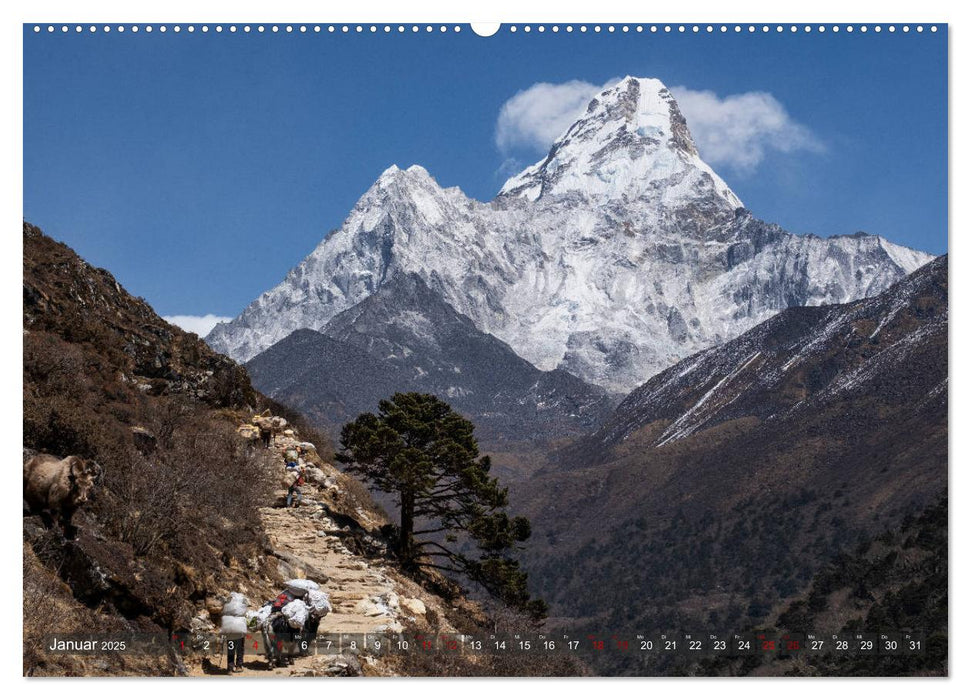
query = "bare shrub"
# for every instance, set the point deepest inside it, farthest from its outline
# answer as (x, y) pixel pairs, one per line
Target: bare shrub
(70, 398)
(230, 386)
(167, 414)
(48, 609)
(203, 478)
(58, 365)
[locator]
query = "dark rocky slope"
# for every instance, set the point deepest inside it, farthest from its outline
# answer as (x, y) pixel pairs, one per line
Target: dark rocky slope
(107, 379)
(406, 338)
(722, 486)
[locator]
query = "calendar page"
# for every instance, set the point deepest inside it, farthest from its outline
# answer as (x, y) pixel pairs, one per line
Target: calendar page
(397, 349)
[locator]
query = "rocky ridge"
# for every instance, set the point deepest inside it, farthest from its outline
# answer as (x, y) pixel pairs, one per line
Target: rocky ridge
(794, 362)
(722, 486)
(405, 338)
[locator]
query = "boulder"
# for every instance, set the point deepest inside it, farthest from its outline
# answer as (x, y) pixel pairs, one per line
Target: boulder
(201, 630)
(370, 608)
(316, 476)
(201, 623)
(145, 442)
(342, 665)
(378, 605)
(413, 606)
(393, 627)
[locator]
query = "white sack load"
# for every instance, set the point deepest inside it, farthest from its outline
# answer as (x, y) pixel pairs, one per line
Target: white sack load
(296, 612)
(319, 602)
(236, 605)
(263, 614)
(233, 624)
(255, 619)
(303, 584)
(289, 477)
(306, 446)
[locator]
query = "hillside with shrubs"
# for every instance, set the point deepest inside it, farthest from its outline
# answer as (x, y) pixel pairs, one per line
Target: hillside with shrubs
(177, 518)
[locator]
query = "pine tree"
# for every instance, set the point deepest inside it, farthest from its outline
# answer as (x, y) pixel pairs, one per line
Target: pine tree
(424, 453)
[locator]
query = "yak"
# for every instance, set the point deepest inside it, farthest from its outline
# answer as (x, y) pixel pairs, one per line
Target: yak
(59, 486)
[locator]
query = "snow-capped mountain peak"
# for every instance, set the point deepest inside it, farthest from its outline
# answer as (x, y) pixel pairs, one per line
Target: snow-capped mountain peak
(615, 256)
(632, 142)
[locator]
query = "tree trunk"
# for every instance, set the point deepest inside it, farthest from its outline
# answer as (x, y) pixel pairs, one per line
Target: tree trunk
(406, 544)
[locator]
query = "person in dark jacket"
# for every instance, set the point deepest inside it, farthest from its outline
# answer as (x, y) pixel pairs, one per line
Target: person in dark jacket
(294, 489)
(234, 652)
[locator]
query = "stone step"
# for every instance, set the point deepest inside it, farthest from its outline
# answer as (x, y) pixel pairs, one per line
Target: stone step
(351, 583)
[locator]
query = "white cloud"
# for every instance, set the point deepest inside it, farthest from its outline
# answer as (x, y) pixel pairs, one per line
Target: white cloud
(736, 131)
(200, 325)
(534, 117)
(508, 167)
(740, 130)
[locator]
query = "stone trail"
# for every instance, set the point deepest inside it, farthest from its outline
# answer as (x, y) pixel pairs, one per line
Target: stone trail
(364, 598)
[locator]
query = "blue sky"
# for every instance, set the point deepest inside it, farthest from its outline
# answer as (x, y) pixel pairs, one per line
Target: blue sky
(199, 168)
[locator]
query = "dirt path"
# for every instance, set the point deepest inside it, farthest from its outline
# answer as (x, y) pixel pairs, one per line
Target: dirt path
(360, 593)
(365, 599)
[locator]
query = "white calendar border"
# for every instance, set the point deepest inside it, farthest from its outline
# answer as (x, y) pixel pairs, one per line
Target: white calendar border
(601, 11)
